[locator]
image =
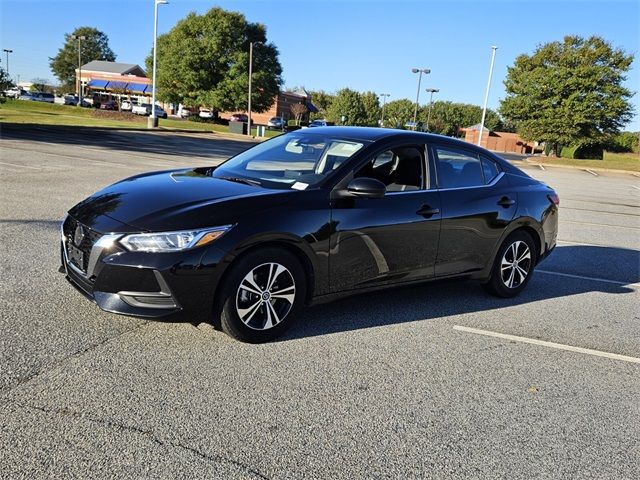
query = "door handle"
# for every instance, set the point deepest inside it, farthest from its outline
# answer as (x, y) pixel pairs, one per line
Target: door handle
(427, 211)
(506, 202)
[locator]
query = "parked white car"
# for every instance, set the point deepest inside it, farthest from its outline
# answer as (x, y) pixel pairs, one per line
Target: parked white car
(127, 105)
(145, 109)
(206, 113)
(14, 92)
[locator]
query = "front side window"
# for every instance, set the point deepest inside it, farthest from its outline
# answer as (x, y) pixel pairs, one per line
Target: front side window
(457, 168)
(400, 169)
(297, 160)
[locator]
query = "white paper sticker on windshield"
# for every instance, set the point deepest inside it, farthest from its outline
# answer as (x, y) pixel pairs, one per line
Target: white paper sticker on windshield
(300, 186)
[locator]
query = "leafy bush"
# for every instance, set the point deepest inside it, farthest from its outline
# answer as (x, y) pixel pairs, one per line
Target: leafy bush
(623, 142)
(583, 152)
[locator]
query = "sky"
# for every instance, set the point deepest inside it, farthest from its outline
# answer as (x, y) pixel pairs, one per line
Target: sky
(331, 44)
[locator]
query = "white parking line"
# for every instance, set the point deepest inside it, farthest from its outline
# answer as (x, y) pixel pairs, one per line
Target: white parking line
(593, 279)
(20, 166)
(541, 167)
(591, 172)
(559, 346)
(600, 224)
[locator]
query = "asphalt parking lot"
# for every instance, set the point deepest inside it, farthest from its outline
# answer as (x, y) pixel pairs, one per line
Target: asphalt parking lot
(421, 382)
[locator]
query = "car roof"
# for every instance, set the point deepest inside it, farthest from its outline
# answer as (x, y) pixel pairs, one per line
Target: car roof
(374, 134)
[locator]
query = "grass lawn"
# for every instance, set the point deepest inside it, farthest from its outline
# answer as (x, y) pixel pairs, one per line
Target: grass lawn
(612, 161)
(21, 111)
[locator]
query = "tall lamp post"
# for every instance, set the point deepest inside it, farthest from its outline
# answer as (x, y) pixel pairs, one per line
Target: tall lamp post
(384, 101)
(79, 38)
(250, 80)
(7, 51)
(419, 71)
(486, 95)
(153, 120)
(431, 91)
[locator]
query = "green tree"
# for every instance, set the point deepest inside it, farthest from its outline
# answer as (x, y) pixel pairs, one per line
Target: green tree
(347, 102)
(448, 118)
(398, 112)
(40, 85)
(322, 100)
(95, 46)
(371, 104)
(569, 92)
(204, 60)
(5, 81)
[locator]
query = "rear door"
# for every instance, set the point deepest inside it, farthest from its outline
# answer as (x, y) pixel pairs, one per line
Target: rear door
(477, 205)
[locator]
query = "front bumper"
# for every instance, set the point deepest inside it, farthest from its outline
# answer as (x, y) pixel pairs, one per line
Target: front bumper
(138, 284)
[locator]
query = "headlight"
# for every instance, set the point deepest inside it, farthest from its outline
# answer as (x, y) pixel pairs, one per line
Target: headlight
(172, 241)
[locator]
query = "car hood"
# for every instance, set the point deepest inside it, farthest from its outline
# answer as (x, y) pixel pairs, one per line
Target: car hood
(175, 200)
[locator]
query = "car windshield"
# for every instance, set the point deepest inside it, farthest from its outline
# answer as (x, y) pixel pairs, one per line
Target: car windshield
(297, 160)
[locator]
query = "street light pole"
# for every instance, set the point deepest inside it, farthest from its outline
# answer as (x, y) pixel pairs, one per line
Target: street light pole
(79, 38)
(7, 51)
(153, 120)
(384, 101)
(250, 79)
(419, 71)
(431, 91)
(486, 95)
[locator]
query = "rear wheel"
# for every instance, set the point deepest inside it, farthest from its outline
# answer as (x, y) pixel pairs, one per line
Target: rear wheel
(262, 295)
(513, 265)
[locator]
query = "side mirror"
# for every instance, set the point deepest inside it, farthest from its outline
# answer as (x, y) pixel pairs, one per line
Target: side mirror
(366, 188)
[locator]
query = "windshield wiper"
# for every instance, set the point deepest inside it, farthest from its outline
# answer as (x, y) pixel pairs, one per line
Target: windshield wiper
(246, 181)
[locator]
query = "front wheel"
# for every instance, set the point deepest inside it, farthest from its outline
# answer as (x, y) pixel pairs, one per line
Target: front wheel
(513, 266)
(262, 295)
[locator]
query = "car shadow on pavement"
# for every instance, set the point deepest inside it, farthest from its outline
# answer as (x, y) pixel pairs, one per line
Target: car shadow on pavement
(435, 300)
(162, 142)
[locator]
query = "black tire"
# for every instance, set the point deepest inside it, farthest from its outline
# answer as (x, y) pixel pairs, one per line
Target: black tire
(239, 295)
(506, 279)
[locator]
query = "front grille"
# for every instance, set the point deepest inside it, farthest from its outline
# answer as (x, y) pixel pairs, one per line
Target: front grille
(89, 238)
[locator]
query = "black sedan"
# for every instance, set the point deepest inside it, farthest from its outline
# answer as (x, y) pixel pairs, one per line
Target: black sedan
(303, 217)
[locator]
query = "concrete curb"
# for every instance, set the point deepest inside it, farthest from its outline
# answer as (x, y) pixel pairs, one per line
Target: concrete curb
(591, 170)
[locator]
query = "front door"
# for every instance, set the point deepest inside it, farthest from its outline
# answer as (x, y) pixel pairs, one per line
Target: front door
(389, 239)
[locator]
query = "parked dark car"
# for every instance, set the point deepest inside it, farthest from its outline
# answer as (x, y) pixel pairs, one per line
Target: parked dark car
(306, 216)
(109, 105)
(43, 97)
(276, 123)
(239, 117)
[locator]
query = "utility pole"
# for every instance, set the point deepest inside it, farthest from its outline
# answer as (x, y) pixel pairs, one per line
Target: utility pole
(419, 71)
(432, 91)
(152, 122)
(79, 38)
(7, 51)
(384, 101)
(486, 95)
(249, 97)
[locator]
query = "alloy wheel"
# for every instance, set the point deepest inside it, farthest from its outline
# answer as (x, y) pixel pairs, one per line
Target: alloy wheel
(265, 296)
(516, 264)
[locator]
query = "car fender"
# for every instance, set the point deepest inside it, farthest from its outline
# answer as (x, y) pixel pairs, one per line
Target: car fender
(515, 224)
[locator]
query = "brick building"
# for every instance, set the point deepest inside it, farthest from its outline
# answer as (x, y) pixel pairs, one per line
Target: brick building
(498, 141)
(281, 107)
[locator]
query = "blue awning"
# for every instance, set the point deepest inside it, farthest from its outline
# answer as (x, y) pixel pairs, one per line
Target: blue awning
(149, 89)
(311, 107)
(97, 83)
(137, 87)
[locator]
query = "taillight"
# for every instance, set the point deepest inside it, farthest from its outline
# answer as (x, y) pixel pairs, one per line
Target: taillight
(554, 198)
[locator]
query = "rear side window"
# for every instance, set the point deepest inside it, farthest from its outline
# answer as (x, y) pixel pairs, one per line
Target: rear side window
(457, 168)
(490, 169)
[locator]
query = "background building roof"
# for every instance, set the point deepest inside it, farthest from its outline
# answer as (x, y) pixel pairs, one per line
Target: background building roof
(114, 67)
